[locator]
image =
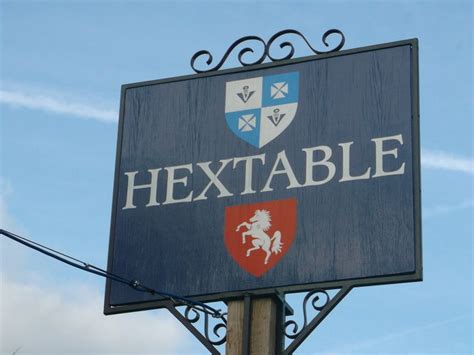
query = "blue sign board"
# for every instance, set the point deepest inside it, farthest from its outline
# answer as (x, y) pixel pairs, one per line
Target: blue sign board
(284, 176)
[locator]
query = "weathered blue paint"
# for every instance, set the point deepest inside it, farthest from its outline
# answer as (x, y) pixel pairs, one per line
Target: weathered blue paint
(355, 230)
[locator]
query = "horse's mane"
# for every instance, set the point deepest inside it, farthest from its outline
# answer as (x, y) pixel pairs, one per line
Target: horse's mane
(263, 217)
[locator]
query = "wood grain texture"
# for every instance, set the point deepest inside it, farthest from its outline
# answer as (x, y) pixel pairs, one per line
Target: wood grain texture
(352, 230)
(235, 320)
(263, 327)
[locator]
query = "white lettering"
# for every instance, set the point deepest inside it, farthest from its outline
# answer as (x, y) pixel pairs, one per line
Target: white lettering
(213, 180)
(346, 164)
(379, 154)
(287, 170)
(131, 187)
(248, 171)
(171, 181)
(319, 170)
(310, 164)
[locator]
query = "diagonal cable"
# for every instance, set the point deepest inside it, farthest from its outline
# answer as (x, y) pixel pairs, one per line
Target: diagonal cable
(135, 284)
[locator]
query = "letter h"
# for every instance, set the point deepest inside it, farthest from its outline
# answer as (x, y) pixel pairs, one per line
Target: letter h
(131, 187)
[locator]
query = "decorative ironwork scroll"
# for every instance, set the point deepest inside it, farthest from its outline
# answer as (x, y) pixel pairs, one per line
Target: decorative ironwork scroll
(193, 316)
(266, 48)
(321, 302)
(315, 298)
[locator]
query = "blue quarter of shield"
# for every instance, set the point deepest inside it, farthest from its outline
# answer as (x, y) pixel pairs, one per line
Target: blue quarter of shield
(245, 125)
(280, 89)
(259, 109)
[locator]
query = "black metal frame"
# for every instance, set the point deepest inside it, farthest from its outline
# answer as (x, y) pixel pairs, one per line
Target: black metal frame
(298, 336)
(189, 320)
(349, 283)
(330, 303)
(266, 52)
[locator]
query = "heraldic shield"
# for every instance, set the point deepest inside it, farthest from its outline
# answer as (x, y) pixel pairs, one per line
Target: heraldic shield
(259, 235)
(259, 109)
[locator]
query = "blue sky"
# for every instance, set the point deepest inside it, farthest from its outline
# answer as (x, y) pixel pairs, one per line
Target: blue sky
(62, 65)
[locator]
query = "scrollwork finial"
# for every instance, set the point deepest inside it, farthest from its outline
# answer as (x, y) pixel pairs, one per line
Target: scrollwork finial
(266, 49)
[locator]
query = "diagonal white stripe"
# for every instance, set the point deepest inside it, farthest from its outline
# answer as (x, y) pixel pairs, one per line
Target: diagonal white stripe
(446, 161)
(51, 104)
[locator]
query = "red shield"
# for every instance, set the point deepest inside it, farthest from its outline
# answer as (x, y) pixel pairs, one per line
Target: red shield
(258, 235)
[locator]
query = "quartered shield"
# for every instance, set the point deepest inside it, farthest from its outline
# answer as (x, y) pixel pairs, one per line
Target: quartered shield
(259, 109)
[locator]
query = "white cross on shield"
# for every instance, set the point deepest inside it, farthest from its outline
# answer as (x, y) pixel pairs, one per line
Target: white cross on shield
(259, 109)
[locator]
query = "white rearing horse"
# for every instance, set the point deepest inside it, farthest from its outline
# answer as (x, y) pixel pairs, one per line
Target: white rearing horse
(260, 223)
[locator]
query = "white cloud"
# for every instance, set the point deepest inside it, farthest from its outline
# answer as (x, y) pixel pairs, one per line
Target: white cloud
(40, 319)
(437, 210)
(445, 161)
(55, 105)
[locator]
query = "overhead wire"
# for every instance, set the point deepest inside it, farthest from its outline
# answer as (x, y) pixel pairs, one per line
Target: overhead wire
(134, 284)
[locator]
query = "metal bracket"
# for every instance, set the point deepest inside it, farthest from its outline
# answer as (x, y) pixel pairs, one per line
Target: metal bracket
(320, 301)
(192, 316)
(266, 52)
(323, 309)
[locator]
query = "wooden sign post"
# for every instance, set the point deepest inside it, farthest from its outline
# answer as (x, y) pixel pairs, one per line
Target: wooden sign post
(257, 332)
